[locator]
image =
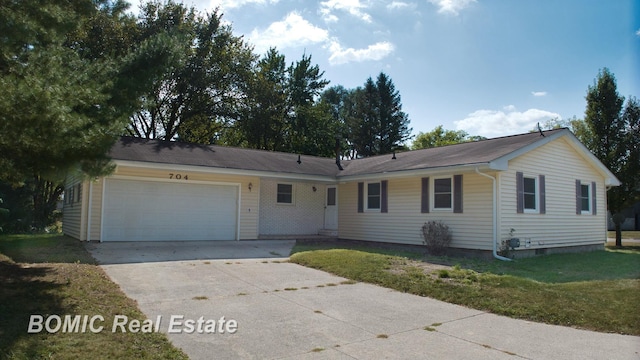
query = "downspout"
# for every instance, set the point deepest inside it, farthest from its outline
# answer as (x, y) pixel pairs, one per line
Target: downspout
(495, 217)
(90, 201)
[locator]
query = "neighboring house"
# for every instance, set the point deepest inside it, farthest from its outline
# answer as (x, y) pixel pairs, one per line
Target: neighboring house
(631, 216)
(549, 189)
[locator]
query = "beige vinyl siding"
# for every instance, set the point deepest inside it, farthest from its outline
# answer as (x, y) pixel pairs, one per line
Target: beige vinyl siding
(471, 229)
(305, 216)
(95, 190)
(560, 226)
(249, 209)
(73, 217)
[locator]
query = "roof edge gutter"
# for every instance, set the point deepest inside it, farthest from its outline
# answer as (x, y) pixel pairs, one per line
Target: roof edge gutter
(414, 172)
(495, 216)
(226, 171)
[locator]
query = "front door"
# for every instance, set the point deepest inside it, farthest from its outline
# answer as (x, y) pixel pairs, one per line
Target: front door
(331, 209)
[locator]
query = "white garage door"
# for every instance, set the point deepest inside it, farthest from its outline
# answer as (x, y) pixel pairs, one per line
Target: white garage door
(148, 210)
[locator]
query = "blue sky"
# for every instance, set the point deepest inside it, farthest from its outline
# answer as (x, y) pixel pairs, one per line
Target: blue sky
(488, 67)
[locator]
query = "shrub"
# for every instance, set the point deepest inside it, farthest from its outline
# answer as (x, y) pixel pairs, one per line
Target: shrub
(436, 237)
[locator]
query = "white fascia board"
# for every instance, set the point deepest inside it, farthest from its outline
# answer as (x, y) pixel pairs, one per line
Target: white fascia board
(224, 171)
(444, 170)
(610, 178)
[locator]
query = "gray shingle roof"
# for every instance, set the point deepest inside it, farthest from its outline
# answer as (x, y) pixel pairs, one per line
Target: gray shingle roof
(470, 153)
(169, 152)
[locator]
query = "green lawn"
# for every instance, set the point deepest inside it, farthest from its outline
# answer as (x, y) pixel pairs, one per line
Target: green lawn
(54, 275)
(596, 291)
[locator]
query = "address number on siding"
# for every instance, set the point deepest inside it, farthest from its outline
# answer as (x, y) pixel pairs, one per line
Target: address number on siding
(178, 176)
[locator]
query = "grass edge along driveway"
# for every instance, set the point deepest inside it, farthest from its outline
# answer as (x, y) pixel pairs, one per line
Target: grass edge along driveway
(54, 275)
(594, 291)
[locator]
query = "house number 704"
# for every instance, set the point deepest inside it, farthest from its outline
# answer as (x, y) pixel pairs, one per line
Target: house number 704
(178, 176)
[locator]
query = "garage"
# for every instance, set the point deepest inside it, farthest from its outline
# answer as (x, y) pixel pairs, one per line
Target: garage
(138, 210)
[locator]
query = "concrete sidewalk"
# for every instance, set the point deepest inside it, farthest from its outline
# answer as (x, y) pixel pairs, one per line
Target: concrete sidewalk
(287, 311)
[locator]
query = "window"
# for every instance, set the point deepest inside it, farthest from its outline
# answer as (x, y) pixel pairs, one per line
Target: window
(530, 194)
(331, 196)
(586, 198)
(71, 195)
(285, 194)
(373, 196)
(79, 193)
(442, 194)
(585, 201)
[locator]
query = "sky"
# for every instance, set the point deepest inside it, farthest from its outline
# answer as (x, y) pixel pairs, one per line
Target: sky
(488, 67)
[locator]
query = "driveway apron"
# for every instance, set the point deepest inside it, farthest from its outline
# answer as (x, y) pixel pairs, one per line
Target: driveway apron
(286, 311)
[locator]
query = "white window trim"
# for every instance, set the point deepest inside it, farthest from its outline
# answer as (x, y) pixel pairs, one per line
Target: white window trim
(589, 197)
(366, 197)
(432, 190)
(293, 194)
(536, 210)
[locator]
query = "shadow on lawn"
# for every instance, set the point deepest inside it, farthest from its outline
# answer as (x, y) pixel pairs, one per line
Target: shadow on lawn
(23, 292)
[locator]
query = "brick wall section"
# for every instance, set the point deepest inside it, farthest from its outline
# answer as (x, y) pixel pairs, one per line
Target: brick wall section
(304, 217)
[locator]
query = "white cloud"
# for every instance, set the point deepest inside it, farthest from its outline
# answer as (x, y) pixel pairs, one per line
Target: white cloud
(376, 51)
(452, 7)
(508, 121)
(292, 31)
(638, 32)
(539, 93)
(230, 4)
(353, 7)
(399, 5)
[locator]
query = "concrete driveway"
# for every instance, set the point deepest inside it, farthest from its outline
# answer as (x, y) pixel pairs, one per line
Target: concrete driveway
(287, 311)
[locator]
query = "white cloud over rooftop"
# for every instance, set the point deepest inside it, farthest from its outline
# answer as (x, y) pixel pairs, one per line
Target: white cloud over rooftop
(508, 121)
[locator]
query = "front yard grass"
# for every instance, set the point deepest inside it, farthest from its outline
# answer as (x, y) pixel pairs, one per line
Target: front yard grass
(594, 291)
(54, 275)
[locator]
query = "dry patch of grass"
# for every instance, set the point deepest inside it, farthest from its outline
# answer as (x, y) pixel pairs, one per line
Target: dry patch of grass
(596, 291)
(56, 276)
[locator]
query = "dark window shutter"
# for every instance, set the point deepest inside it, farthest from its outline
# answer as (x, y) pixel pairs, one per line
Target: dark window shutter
(457, 194)
(519, 192)
(384, 203)
(424, 206)
(543, 194)
(594, 209)
(360, 197)
(578, 198)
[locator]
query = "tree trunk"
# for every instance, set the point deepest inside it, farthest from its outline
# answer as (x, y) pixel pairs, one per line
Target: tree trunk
(618, 219)
(618, 234)
(45, 198)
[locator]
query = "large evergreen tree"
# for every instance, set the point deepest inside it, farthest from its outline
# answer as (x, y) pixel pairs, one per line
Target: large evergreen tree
(615, 141)
(264, 121)
(284, 111)
(66, 97)
(376, 123)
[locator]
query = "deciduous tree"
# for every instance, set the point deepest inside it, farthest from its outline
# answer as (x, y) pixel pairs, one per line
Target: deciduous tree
(202, 93)
(615, 141)
(441, 137)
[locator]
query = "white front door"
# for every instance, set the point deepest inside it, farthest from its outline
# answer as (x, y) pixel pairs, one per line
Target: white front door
(331, 208)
